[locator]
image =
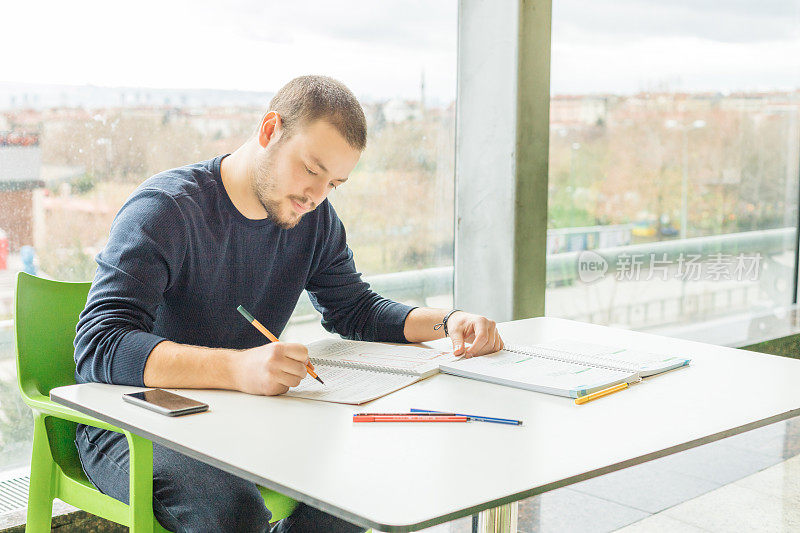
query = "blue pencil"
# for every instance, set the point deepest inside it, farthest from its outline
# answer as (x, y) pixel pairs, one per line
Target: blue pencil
(509, 421)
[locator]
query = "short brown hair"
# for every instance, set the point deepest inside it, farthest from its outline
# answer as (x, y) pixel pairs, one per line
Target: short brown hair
(306, 99)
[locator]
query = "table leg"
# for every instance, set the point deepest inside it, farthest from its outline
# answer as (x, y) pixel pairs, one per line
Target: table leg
(501, 519)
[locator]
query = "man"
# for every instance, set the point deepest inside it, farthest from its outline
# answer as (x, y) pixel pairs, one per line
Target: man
(251, 228)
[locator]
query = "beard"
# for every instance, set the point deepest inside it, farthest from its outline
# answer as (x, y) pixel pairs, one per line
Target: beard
(265, 189)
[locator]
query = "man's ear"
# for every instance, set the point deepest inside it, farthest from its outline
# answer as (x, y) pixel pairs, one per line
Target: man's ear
(271, 128)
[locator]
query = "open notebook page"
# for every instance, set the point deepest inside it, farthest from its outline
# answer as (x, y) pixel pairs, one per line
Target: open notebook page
(538, 374)
(349, 385)
(383, 357)
(646, 363)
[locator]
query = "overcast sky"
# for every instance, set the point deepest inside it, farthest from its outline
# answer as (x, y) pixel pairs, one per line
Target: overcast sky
(380, 48)
(694, 45)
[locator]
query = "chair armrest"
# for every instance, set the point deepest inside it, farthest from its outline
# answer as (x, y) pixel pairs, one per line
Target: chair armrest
(45, 405)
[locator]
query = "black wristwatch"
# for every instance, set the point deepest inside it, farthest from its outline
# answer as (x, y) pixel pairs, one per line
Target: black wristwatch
(443, 323)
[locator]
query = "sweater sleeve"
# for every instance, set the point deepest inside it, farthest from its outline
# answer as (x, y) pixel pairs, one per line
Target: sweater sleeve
(143, 256)
(347, 304)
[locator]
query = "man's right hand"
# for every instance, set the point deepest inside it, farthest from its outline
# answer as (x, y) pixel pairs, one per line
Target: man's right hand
(270, 369)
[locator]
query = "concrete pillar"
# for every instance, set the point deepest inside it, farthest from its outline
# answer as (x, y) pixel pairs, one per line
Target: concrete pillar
(502, 143)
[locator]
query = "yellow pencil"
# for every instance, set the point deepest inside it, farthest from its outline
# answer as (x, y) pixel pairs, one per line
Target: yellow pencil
(268, 334)
(600, 393)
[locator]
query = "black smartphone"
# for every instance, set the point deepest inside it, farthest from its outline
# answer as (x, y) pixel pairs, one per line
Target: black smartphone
(164, 402)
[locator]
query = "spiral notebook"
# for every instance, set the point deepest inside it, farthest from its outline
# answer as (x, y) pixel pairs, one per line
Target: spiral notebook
(564, 367)
(356, 372)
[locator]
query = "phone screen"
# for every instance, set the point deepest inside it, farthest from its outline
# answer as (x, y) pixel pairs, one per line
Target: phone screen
(167, 401)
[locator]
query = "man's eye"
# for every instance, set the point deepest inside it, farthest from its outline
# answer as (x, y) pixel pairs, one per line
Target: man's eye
(311, 171)
(334, 185)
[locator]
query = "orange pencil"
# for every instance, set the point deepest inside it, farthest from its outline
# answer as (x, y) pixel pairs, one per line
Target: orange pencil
(250, 318)
(600, 393)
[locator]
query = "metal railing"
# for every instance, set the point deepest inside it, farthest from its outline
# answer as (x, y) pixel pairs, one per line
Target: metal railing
(415, 286)
(411, 286)
(563, 267)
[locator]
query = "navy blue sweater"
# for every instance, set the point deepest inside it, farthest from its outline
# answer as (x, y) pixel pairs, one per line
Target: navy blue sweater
(179, 260)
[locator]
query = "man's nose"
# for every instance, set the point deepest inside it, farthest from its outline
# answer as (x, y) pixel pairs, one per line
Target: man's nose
(316, 192)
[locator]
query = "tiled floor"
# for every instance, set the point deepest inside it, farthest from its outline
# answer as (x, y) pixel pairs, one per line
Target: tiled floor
(749, 482)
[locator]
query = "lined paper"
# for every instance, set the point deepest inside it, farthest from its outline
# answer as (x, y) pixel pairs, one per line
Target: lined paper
(383, 357)
(349, 385)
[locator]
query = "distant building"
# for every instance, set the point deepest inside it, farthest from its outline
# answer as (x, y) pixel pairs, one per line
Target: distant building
(398, 110)
(578, 111)
(20, 174)
(563, 240)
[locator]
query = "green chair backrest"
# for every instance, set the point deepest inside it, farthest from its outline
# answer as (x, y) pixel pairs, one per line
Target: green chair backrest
(45, 316)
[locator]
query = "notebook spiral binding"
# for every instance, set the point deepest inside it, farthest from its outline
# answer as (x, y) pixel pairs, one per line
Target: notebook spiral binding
(572, 357)
(360, 366)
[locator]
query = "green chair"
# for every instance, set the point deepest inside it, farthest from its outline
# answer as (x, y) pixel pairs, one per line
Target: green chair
(46, 313)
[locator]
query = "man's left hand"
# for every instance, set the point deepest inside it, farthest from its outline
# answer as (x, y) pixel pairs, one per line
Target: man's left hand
(477, 330)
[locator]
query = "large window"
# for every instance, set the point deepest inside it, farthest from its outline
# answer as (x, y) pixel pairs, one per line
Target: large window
(91, 110)
(674, 165)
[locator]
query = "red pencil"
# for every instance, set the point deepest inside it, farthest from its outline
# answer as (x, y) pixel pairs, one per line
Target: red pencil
(406, 414)
(412, 418)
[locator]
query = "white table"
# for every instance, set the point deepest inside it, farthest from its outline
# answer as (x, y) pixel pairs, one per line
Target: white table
(405, 477)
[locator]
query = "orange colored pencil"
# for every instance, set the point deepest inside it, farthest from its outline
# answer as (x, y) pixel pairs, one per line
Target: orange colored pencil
(600, 393)
(250, 318)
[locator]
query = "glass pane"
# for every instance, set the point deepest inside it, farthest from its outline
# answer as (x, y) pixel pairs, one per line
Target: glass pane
(96, 108)
(674, 165)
